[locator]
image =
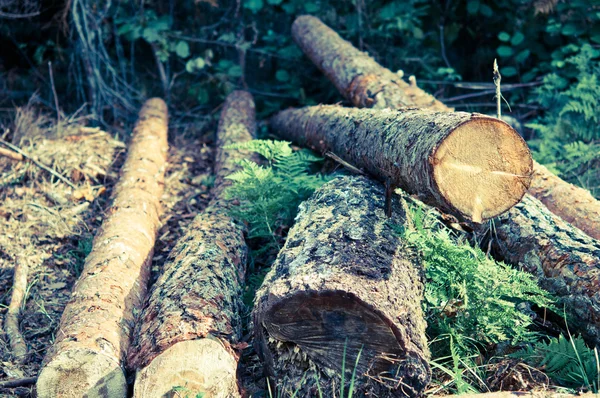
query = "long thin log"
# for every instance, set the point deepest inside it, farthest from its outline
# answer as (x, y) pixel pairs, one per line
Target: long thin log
(565, 260)
(11, 321)
(192, 317)
(367, 84)
(344, 284)
(87, 358)
(470, 165)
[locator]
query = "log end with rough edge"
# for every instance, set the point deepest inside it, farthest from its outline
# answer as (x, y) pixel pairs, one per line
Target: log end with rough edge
(483, 168)
(345, 281)
(201, 366)
(72, 372)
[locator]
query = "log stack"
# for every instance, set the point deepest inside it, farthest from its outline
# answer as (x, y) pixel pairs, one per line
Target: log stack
(191, 322)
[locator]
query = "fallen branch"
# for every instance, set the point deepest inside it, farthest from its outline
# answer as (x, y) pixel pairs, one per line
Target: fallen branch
(11, 322)
(192, 319)
(345, 285)
(87, 358)
(38, 163)
(24, 382)
(367, 84)
(11, 154)
(472, 165)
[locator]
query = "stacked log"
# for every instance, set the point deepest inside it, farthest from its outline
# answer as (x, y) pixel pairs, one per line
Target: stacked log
(191, 321)
(471, 165)
(87, 358)
(365, 83)
(345, 285)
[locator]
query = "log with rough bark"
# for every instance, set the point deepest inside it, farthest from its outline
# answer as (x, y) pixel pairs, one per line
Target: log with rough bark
(471, 165)
(192, 319)
(87, 358)
(367, 84)
(345, 282)
(565, 260)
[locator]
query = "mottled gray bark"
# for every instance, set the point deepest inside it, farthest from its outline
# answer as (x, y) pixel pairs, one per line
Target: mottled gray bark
(367, 84)
(345, 278)
(471, 165)
(193, 314)
(565, 260)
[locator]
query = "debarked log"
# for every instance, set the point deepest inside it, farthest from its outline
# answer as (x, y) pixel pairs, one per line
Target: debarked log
(87, 358)
(345, 285)
(192, 319)
(365, 83)
(471, 165)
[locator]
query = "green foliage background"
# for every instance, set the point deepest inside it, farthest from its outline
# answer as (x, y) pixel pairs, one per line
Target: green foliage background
(110, 55)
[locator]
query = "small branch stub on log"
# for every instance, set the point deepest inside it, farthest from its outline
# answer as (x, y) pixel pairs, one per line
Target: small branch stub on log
(11, 322)
(471, 165)
(95, 329)
(193, 313)
(563, 258)
(367, 84)
(344, 282)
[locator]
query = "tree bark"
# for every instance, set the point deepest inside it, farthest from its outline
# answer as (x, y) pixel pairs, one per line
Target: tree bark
(471, 165)
(345, 281)
(18, 346)
(367, 84)
(95, 329)
(192, 318)
(565, 260)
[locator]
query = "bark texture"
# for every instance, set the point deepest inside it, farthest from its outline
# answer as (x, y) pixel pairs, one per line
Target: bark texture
(192, 316)
(367, 84)
(565, 260)
(573, 204)
(471, 165)
(88, 355)
(345, 280)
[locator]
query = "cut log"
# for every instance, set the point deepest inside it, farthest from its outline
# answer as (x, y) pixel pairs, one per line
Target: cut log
(365, 83)
(565, 260)
(345, 281)
(87, 358)
(471, 165)
(192, 317)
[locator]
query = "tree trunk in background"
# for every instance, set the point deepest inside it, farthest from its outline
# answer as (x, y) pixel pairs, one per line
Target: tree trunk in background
(344, 278)
(565, 260)
(193, 314)
(471, 165)
(95, 329)
(367, 84)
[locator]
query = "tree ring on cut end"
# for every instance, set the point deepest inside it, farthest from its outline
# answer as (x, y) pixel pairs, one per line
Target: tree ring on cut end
(482, 168)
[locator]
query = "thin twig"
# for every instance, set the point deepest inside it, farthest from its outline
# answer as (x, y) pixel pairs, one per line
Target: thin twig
(38, 164)
(9, 15)
(347, 165)
(26, 381)
(54, 92)
(11, 322)
(497, 79)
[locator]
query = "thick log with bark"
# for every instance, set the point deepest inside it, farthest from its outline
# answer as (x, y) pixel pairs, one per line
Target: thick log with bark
(565, 260)
(367, 84)
(191, 320)
(87, 358)
(345, 281)
(471, 165)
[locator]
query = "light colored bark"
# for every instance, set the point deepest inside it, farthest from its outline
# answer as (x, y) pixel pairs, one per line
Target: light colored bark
(345, 281)
(192, 318)
(18, 346)
(87, 358)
